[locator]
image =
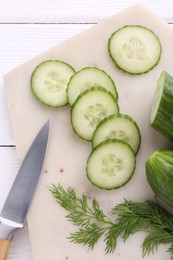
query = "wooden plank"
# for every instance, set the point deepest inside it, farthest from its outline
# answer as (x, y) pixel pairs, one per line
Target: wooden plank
(53, 11)
(8, 168)
(6, 135)
(20, 247)
(19, 43)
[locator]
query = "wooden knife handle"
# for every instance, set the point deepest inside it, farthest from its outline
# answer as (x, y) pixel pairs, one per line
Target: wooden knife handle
(4, 247)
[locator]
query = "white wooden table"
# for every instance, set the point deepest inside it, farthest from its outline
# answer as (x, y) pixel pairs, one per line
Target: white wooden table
(27, 28)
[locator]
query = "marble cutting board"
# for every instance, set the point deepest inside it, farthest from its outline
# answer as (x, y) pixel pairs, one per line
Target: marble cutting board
(67, 154)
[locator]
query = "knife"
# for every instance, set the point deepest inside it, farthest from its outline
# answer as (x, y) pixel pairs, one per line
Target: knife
(14, 211)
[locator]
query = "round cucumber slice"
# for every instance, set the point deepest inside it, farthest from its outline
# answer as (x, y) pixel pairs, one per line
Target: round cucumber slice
(135, 49)
(111, 164)
(89, 109)
(86, 78)
(119, 126)
(49, 82)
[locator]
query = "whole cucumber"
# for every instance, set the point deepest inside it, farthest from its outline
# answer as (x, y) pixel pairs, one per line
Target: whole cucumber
(159, 172)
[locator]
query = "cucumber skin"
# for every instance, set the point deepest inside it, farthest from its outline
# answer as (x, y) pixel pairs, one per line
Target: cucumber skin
(163, 121)
(83, 93)
(119, 67)
(93, 68)
(97, 147)
(32, 77)
(159, 172)
(121, 116)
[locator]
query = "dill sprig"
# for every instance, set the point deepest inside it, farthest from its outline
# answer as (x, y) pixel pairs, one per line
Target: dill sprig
(123, 220)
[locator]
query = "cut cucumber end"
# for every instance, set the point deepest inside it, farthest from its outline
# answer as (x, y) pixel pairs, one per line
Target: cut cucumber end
(49, 82)
(134, 49)
(111, 164)
(157, 96)
(162, 106)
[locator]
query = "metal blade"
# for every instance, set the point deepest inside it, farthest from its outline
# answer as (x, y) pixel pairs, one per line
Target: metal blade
(22, 191)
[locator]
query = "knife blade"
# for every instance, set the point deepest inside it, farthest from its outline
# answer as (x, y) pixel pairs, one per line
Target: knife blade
(14, 211)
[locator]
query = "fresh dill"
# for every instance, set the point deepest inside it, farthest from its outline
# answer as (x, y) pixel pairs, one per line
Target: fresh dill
(123, 220)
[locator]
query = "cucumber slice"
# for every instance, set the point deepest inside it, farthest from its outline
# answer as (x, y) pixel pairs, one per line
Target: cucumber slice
(162, 106)
(86, 78)
(134, 49)
(121, 127)
(111, 164)
(49, 82)
(89, 109)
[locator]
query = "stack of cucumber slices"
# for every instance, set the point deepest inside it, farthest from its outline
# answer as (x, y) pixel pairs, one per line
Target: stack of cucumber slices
(92, 95)
(116, 141)
(95, 117)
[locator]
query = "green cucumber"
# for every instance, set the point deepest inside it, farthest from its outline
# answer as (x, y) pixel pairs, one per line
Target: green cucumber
(119, 126)
(49, 82)
(134, 49)
(111, 164)
(162, 106)
(159, 172)
(89, 109)
(86, 78)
